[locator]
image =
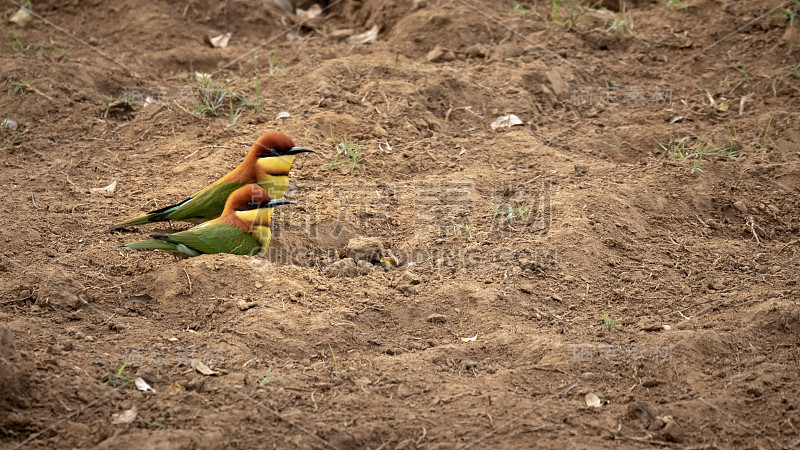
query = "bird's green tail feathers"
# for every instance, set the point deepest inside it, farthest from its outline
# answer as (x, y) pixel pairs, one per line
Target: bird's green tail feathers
(155, 245)
(158, 215)
(147, 218)
(179, 249)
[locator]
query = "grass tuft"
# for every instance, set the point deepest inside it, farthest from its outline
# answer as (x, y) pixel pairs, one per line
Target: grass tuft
(790, 13)
(680, 149)
(520, 8)
(567, 13)
(115, 379)
(348, 153)
(509, 212)
(268, 378)
(761, 141)
(608, 322)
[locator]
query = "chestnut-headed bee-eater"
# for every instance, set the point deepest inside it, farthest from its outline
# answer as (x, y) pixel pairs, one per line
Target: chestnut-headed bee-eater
(267, 164)
(242, 229)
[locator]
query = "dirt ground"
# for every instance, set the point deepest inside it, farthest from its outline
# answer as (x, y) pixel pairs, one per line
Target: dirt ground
(618, 270)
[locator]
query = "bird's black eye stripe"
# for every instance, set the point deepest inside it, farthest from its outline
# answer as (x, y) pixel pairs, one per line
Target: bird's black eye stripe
(249, 206)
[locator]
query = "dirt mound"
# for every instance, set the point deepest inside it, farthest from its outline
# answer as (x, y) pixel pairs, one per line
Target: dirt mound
(633, 239)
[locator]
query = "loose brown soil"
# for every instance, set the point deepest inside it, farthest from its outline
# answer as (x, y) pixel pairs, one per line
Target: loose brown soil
(696, 259)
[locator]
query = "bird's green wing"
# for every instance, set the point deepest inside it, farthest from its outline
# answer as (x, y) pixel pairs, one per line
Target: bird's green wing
(206, 204)
(216, 237)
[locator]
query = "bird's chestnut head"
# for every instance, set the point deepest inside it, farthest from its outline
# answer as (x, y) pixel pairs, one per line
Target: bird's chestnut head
(274, 144)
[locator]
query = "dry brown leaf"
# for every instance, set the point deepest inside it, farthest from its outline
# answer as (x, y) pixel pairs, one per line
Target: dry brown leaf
(367, 37)
(202, 368)
(124, 417)
(593, 401)
(107, 191)
(506, 122)
(142, 385)
(22, 17)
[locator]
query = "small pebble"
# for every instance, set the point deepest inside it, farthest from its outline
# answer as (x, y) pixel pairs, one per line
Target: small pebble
(437, 318)
(671, 432)
(470, 365)
(244, 305)
(527, 288)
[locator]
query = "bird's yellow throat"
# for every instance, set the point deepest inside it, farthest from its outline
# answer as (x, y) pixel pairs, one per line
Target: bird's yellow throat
(273, 174)
(256, 217)
(276, 165)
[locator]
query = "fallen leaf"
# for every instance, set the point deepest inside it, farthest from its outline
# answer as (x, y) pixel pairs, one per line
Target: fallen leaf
(142, 385)
(8, 124)
(340, 34)
(724, 105)
(107, 191)
(676, 119)
(174, 388)
(469, 339)
(435, 55)
(314, 11)
(593, 401)
(202, 368)
(285, 5)
(506, 122)
(364, 38)
(220, 41)
(244, 305)
(22, 17)
(282, 115)
(127, 416)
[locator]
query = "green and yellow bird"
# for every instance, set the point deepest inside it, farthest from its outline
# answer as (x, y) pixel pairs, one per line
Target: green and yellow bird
(241, 229)
(267, 164)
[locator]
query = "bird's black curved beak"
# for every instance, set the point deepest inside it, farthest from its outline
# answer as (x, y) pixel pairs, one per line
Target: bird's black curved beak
(267, 204)
(278, 202)
(296, 150)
